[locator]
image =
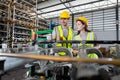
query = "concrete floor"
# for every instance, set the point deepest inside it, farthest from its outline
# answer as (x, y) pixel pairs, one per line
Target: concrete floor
(19, 72)
(116, 77)
(15, 74)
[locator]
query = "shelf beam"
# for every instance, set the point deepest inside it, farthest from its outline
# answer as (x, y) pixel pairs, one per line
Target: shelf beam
(3, 11)
(3, 4)
(28, 3)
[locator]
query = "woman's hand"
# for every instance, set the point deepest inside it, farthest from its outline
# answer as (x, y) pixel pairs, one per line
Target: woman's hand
(75, 52)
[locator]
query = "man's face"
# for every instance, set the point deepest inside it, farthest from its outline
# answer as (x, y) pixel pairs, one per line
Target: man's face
(64, 21)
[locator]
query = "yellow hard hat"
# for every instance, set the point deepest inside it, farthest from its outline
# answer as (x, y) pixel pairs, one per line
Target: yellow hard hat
(84, 19)
(65, 14)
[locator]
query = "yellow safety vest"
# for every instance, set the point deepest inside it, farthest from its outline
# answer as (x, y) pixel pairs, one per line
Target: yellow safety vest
(90, 36)
(62, 37)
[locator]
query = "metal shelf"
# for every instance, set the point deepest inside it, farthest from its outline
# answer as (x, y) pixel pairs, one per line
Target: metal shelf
(28, 3)
(3, 37)
(23, 44)
(24, 17)
(22, 33)
(24, 23)
(3, 31)
(23, 8)
(21, 40)
(23, 28)
(42, 24)
(28, 13)
(3, 4)
(4, 17)
(3, 24)
(42, 28)
(20, 17)
(3, 11)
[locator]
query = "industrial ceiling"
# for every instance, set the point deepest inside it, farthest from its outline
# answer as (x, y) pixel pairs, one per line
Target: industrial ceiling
(52, 8)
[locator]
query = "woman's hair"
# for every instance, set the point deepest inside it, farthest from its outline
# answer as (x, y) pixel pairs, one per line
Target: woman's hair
(86, 27)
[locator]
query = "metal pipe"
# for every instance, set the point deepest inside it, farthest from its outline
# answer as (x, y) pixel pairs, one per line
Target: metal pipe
(72, 21)
(64, 59)
(117, 21)
(66, 6)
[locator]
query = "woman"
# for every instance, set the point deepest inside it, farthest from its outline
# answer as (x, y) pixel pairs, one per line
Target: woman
(83, 34)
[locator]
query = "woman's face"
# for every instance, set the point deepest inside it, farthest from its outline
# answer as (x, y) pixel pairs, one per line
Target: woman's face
(79, 26)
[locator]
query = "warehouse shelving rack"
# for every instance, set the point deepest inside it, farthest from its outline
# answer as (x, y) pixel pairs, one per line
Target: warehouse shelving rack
(23, 17)
(17, 19)
(4, 20)
(42, 24)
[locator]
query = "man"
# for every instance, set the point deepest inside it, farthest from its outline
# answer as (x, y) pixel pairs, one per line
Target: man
(63, 31)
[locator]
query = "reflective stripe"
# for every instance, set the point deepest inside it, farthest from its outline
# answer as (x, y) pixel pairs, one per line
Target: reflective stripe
(90, 36)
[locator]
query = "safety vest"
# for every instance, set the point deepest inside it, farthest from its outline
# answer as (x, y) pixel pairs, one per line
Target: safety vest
(90, 36)
(60, 36)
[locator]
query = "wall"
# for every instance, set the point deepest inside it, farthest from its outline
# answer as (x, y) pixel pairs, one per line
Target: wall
(106, 35)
